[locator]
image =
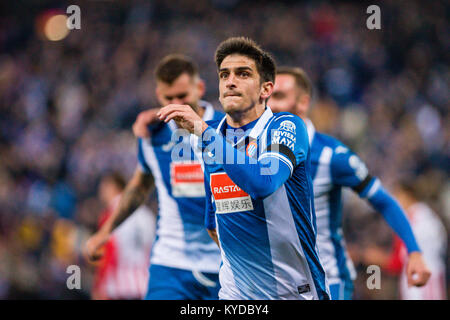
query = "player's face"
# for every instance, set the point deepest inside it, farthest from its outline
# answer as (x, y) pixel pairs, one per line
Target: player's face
(285, 94)
(239, 83)
(184, 90)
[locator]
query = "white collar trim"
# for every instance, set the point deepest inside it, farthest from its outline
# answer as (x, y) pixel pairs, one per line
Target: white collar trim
(311, 130)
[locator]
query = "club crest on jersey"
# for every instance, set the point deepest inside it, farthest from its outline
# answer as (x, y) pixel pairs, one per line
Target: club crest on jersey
(288, 125)
(251, 149)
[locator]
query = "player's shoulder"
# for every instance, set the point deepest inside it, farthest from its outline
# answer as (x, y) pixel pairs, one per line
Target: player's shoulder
(287, 121)
(157, 128)
(215, 122)
(287, 116)
(217, 116)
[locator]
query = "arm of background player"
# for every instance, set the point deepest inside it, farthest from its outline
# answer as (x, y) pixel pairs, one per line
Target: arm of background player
(277, 163)
(210, 216)
(135, 193)
(417, 271)
(391, 211)
(348, 170)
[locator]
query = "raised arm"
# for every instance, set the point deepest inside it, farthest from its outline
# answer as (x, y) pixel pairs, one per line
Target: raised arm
(261, 177)
(258, 177)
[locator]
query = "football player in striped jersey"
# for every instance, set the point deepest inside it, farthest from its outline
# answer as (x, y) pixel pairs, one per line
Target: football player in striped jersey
(334, 166)
(184, 260)
(257, 180)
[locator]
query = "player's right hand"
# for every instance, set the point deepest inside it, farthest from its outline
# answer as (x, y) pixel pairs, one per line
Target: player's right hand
(416, 270)
(93, 248)
(143, 119)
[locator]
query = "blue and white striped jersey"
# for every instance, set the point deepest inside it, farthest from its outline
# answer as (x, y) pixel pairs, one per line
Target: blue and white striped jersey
(268, 243)
(181, 238)
(334, 166)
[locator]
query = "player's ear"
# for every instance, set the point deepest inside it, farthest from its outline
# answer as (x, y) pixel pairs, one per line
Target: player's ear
(266, 90)
(159, 95)
(201, 88)
(303, 102)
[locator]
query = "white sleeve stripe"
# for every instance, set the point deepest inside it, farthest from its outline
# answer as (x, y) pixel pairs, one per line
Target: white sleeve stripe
(280, 157)
(373, 189)
(285, 116)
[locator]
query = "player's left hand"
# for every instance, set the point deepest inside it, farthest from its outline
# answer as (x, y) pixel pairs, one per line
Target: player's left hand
(184, 116)
(143, 119)
(416, 270)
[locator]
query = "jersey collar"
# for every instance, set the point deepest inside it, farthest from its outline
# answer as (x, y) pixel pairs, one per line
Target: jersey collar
(209, 110)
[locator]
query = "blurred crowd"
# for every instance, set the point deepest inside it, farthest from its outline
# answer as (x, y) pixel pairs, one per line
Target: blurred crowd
(66, 110)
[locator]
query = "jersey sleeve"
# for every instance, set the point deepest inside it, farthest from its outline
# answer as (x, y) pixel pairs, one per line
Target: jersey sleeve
(348, 170)
(287, 140)
(142, 162)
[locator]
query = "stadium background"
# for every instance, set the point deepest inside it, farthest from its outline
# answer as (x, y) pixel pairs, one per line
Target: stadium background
(66, 108)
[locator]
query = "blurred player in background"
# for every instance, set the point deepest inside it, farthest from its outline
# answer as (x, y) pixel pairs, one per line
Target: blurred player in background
(123, 270)
(432, 238)
(259, 194)
(184, 260)
(333, 166)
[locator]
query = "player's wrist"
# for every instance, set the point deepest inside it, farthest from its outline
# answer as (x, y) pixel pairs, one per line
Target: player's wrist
(414, 254)
(200, 127)
(106, 230)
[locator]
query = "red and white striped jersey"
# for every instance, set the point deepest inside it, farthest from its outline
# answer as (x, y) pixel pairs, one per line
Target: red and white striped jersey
(432, 239)
(123, 270)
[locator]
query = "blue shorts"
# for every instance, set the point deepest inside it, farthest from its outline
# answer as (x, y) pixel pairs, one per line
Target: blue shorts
(342, 290)
(166, 283)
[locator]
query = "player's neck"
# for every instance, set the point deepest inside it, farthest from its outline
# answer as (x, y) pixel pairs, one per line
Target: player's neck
(238, 119)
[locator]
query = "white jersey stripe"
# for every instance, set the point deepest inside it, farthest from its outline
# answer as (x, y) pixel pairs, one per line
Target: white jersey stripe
(280, 220)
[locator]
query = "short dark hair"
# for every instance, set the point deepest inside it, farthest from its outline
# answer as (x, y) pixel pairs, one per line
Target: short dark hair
(301, 78)
(249, 48)
(174, 65)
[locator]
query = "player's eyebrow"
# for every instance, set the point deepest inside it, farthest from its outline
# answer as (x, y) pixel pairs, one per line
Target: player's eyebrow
(237, 69)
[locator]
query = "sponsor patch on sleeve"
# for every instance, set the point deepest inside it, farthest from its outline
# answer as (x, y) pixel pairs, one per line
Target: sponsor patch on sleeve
(285, 134)
(228, 197)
